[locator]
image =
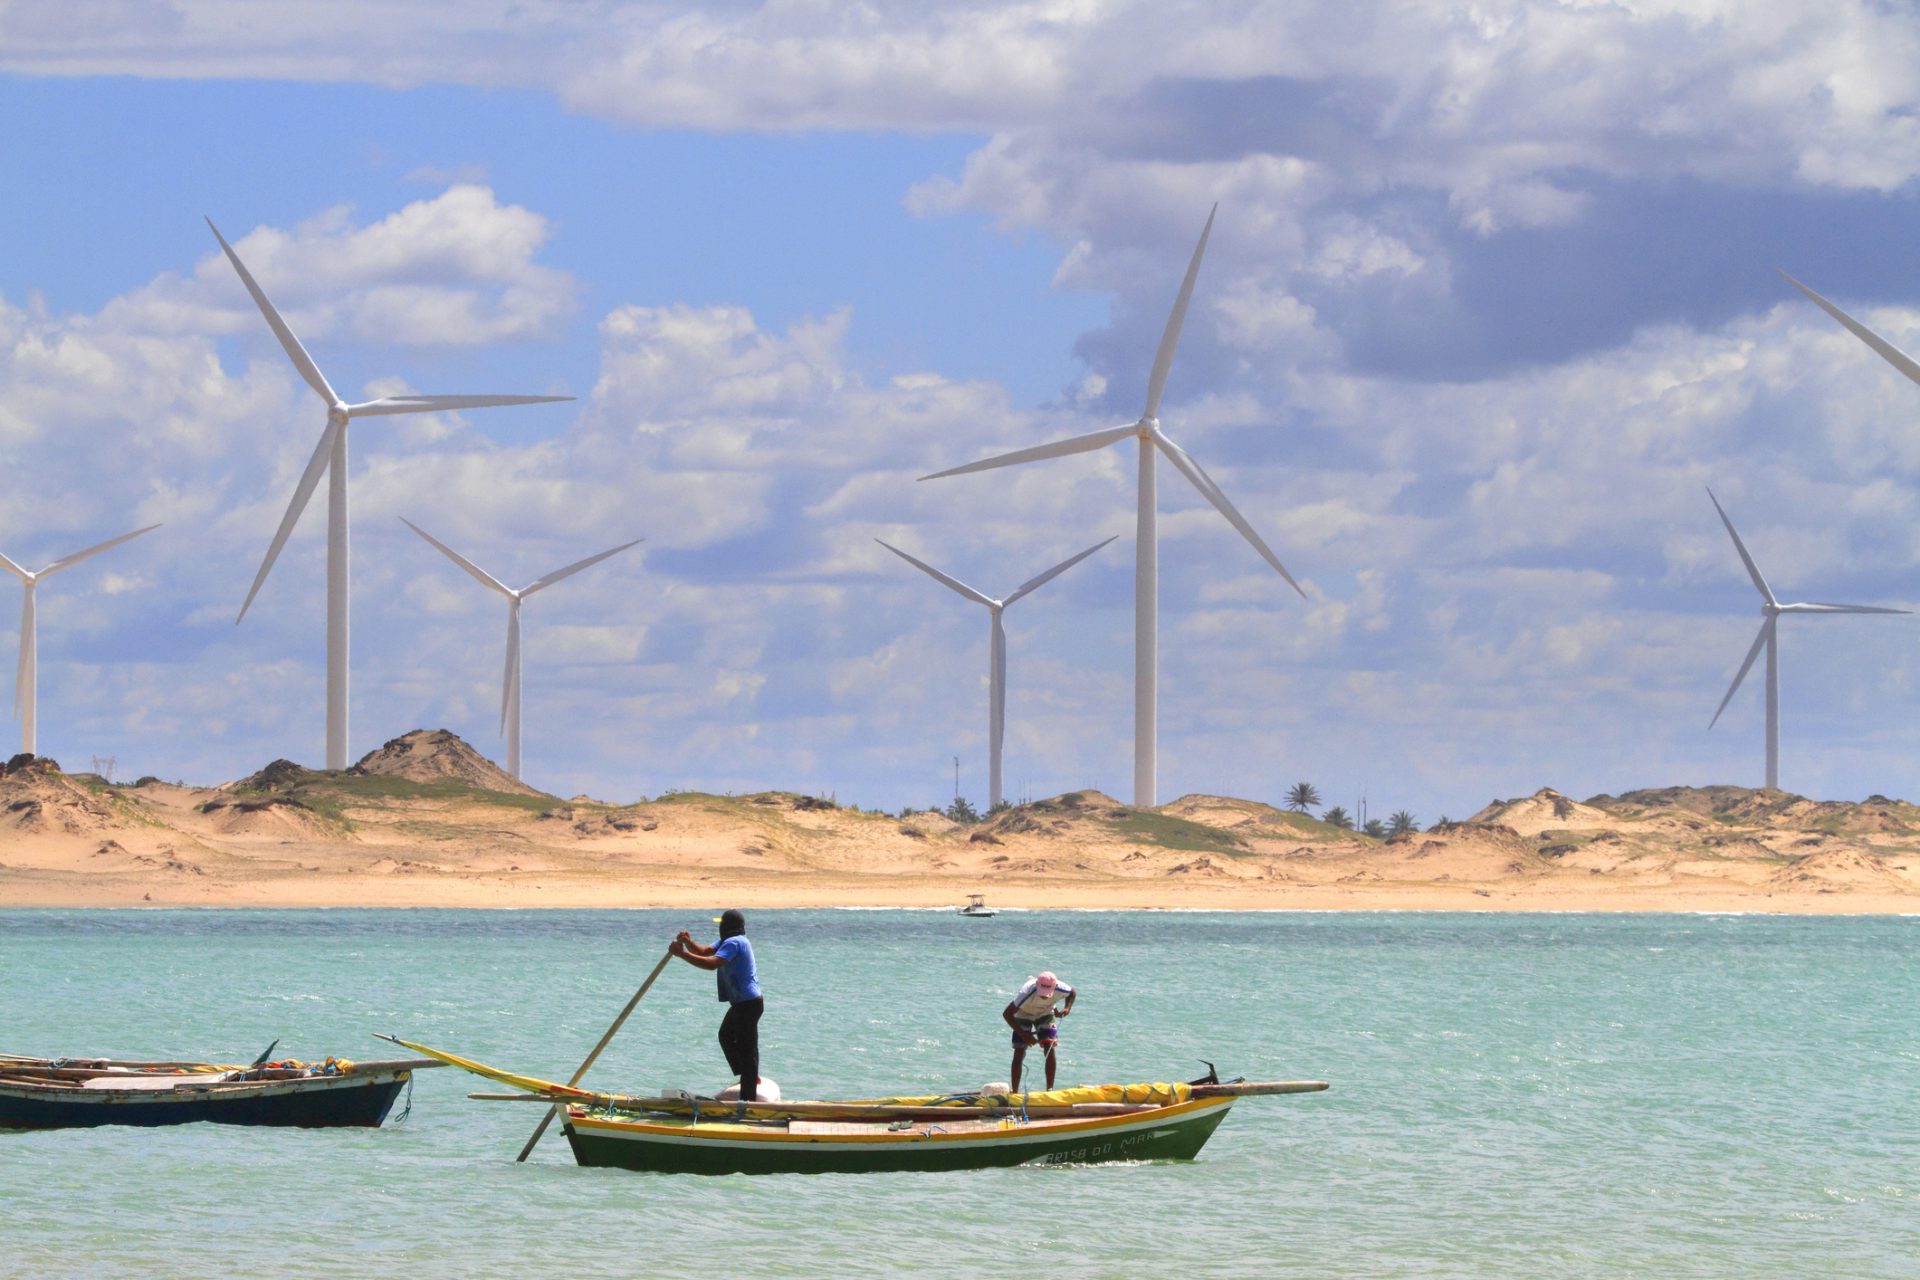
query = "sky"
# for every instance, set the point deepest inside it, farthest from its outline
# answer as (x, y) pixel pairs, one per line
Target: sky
(1490, 300)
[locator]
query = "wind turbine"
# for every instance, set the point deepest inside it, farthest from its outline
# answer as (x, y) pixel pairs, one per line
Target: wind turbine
(1146, 573)
(997, 651)
(330, 456)
(1770, 611)
(26, 679)
(510, 682)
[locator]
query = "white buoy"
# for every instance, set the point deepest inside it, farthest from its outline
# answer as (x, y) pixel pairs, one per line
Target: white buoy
(768, 1091)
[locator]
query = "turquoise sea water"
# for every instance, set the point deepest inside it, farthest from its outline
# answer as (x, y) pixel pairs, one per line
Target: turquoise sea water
(1513, 1095)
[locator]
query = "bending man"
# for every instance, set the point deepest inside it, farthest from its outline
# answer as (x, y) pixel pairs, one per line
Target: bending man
(1031, 1014)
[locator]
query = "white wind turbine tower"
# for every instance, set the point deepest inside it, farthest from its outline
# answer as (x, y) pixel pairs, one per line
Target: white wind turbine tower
(997, 650)
(330, 456)
(1146, 575)
(510, 682)
(27, 678)
(1770, 611)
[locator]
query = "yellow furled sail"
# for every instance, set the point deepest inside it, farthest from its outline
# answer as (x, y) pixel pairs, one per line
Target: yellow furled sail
(531, 1084)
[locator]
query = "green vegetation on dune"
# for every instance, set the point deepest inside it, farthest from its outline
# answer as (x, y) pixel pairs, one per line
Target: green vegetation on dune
(388, 787)
(1173, 833)
(707, 802)
(330, 795)
(1307, 824)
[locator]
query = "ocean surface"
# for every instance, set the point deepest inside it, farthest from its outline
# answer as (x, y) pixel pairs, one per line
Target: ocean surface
(1513, 1095)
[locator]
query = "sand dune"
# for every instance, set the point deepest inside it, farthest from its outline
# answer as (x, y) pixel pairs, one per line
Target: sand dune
(427, 821)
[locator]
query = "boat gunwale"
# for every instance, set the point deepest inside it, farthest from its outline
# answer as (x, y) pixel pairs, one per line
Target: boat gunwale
(214, 1090)
(724, 1131)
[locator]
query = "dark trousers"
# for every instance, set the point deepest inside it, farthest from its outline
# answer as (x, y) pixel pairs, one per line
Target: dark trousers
(740, 1041)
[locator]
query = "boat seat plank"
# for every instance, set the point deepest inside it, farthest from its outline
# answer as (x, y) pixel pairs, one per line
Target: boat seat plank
(124, 1082)
(844, 1128)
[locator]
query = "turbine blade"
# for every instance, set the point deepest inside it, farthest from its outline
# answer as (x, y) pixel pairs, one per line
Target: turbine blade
(441, 404)
(965, 590)
(1766, 629)
(481, 575)
(69, 561)
(576, 567)
(1838, 608)
(14, 569)
(1888, 352)
(316, 467)
(511, 676)
(1058, 449)
(1211, 492)
(1163, 358)
(1034, 584)
(1753, 570)
(295, 352)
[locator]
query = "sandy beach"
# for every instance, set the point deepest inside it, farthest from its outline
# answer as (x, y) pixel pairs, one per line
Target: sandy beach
(427, 822)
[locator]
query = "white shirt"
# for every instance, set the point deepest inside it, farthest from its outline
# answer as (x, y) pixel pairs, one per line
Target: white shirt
(1030, 1006)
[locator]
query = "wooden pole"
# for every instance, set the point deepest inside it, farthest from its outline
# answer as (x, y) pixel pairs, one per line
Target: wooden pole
(547, 1119)
(1257, 1088)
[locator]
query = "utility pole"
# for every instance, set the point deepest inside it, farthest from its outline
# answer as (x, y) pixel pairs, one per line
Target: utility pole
(956, 777)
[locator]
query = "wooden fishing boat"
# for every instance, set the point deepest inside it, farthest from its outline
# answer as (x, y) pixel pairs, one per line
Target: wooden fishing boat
(70, 1093)
(607, 1137)
(684, 1133)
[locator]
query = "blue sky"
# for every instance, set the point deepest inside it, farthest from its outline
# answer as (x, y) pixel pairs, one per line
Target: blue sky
(1490, 300)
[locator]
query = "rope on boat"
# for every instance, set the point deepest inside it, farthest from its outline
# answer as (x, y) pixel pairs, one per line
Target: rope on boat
(407, 1109)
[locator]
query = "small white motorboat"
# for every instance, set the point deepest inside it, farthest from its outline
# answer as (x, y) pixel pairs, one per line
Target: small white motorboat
(976, 906)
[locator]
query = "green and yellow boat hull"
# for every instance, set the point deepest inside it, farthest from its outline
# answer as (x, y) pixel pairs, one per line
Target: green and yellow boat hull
(673, 1144)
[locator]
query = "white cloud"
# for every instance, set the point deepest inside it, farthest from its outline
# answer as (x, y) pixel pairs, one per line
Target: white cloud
(458, 269)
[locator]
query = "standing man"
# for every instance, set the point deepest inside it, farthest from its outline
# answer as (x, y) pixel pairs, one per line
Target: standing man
(1031, 1015)
(731, 960)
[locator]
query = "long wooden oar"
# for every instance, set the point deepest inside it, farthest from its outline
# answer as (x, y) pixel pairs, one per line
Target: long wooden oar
(554, 1110)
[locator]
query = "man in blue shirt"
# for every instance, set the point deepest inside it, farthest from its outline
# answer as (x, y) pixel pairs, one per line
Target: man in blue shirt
(731, 960)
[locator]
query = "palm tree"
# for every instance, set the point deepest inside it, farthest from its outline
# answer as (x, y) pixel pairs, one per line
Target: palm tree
(1375, 828)
(1338, 817)
(1401, 823)
(1302, 796)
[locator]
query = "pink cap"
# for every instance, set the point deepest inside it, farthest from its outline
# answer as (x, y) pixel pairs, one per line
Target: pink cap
(1046, 982)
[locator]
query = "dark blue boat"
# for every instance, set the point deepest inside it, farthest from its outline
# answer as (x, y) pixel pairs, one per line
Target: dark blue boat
(67, 1094)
